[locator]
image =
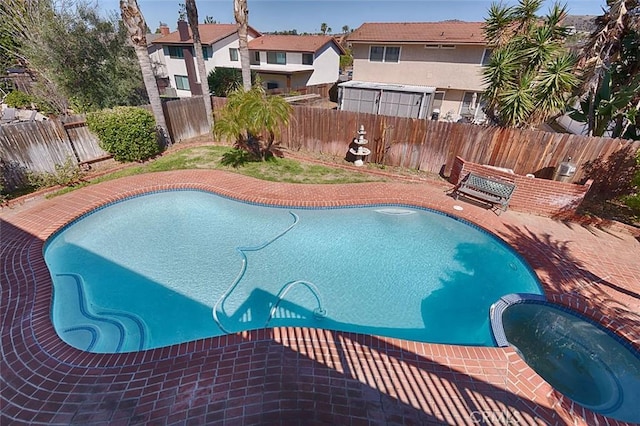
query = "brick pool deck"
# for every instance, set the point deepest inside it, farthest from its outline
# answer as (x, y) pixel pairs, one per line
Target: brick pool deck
(292, 375)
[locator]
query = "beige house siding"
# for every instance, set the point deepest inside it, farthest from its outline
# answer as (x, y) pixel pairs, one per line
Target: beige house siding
(459, 68)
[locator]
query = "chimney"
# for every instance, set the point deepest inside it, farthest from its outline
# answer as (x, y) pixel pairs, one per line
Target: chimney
(183, 29)
(164, 30)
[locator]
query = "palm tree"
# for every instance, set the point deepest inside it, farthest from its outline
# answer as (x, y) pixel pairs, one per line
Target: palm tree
(136, 26)
(241, 14)
(192, 16)
(323, 28)
(530, 75)
(611, 69)
(253, 119)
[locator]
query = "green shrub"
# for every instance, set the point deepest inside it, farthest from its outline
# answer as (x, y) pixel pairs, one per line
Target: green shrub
(66, 174)
(18, 99)
(127, 133)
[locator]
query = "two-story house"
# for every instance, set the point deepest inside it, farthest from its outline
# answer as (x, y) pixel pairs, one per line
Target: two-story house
(177, 62)
(284, 62)
(420, 70)
(295, 61)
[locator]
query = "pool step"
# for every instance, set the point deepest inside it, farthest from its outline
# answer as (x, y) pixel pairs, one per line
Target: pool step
(89, 327)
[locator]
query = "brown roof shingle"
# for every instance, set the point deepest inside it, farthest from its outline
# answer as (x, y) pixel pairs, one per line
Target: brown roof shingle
(291, 43)
(451, 32)
(209, 33)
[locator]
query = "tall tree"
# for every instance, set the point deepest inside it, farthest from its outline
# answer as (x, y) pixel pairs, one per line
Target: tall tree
(192, 16)
(136, 27)
(610, 62)
(323, 28)
(530, 75)
(77, 57)
(241, 14)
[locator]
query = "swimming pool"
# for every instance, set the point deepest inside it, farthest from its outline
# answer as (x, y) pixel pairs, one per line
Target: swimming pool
(579, 358)
(176, 266)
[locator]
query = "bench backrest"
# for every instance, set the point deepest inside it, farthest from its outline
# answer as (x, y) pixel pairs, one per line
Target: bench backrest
(491, 185)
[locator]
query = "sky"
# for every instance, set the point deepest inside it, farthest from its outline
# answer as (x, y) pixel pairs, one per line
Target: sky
(308, 15)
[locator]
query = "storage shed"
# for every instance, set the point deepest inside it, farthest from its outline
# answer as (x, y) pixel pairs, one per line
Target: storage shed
(398, 100)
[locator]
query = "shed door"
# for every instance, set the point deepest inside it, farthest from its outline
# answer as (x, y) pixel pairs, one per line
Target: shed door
(400, 104)
(359, 100)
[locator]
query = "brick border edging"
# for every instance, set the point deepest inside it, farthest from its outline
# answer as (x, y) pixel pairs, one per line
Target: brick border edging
(35, 251)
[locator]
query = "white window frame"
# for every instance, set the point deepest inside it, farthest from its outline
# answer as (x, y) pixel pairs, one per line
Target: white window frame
(183, 79)
(234, 55)
(255, 57)
(384, 53)
(477, 107)
(439, 46)
(437, 92)
(276, 55)
(308, 55)
(486, 56)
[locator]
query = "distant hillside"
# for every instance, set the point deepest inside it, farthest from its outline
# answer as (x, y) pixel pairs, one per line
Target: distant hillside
(582, 23)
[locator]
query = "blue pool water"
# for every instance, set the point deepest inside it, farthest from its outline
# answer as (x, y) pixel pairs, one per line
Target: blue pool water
(578, 358)
(172, 267)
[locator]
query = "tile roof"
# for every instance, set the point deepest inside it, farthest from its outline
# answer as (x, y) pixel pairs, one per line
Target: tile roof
(452, 32)
(209, 33)
(291, 43)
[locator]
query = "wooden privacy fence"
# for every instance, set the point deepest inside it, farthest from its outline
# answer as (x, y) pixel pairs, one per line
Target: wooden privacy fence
(417, 144)
(433, 145)
(186, 118)
(38, 146)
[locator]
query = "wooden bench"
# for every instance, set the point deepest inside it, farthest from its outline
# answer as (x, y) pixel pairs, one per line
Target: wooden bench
(490, 190)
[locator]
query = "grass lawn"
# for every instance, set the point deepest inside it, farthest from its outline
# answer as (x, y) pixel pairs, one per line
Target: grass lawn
(210, 157)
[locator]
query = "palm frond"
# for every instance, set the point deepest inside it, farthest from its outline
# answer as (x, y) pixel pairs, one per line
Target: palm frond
(517, 102)
(497, 26)
(554, 19)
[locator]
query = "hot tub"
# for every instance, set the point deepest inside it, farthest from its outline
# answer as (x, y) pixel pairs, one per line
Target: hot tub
(578, 357)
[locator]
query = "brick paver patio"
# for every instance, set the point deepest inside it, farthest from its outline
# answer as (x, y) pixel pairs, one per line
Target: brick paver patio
(291, 375)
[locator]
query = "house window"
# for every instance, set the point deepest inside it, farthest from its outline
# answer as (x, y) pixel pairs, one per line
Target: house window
(486, 56)
(279, 58)
(307, 59)
(376, 53)
(271, 85)
(439, 46)
(391, 54)
(205, 53)
(233, 54)
(176, 52)
(384, 54)
(438, 97)
(255, 58)
(473, 106)
(182, 82)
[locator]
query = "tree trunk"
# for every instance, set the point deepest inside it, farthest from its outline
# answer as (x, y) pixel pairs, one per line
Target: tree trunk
(192, 17)
(241, 14)
(134, 22)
